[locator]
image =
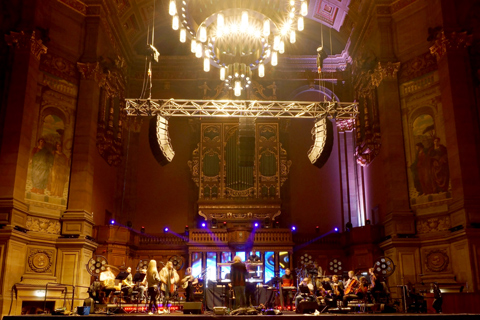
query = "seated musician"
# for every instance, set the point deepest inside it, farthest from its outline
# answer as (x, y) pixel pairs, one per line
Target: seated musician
(168, 278)
(287, 282)
(362, 288)
(337, 290)
(306, 283)
(127, 285)
(376, 286)
(107, 278)
(350, 287)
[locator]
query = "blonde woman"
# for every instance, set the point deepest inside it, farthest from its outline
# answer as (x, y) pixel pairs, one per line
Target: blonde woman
(152, 279)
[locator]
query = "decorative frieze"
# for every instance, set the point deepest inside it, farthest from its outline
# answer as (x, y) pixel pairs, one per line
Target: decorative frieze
(384, 71)
(91, 71)
(40, 260)
(451, 41)
(21, 40)
(433, 225)
(43, 225)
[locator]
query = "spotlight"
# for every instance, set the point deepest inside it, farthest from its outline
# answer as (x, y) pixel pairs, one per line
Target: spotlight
(255, 224)
(224, 224)
(142, 230)
(335, 229)
(317, 229)
(294, 228)
(203, 224)
(349, 226)
(214, 223)
(367, 222)
(165, 229)
(112, 221)
(277, 224)
(267, 223)
(187, 231)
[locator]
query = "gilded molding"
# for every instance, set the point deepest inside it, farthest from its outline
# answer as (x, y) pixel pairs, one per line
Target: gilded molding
(451, 41)
(384, 71)
(76, 5)
(20, 40)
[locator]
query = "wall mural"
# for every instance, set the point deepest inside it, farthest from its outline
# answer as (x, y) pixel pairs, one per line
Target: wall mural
(49, 164)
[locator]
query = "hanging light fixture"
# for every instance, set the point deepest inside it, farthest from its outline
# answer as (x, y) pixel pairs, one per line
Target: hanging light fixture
(237, 38)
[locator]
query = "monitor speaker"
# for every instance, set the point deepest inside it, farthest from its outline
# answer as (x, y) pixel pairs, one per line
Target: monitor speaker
(160, 140)
(192, 308)
(323, 145)
(306, 307)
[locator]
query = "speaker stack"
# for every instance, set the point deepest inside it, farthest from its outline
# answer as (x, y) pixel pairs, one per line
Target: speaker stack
(322, 147)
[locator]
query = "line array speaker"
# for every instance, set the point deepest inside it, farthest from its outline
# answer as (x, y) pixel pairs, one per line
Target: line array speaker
(322, 147)
(160, 141)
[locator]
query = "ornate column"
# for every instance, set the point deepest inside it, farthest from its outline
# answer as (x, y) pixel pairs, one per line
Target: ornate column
(19, 119)
(461, 123)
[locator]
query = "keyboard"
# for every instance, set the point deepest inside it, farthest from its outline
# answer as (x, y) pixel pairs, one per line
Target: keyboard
(289, 288)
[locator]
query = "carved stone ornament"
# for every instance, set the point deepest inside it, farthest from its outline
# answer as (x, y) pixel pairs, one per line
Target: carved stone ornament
(20, 40)
(436, 260)
(433, 225)
(40, 260)
(384, 70)
(43, 225)
(91, 71)
(451, 41)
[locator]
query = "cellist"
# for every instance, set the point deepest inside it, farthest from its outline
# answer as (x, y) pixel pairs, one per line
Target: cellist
(350, 287)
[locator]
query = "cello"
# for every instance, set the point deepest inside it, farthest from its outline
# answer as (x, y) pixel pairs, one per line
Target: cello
(352, 285)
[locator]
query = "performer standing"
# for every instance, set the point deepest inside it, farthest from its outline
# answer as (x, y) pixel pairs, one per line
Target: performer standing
(188, 283)
(168, 277)
(152, 279)
(287, 281)
(238, 272)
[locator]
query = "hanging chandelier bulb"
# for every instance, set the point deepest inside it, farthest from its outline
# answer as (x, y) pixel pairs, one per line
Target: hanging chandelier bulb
(274, 60)
(206, 64)
(220, 24)
(304, 8)
(276, 43)
(266, 28)
(293, 36)
(172, 8)
(300, 24)
(175, 22)
(222, 73)
(261, 70)
(244, 23)
(193, 46)
(198, 50)
(183, 35)
(281, 47)
(202, 34)
(238, 88)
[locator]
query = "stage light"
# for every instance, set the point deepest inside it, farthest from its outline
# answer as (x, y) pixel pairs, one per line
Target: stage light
(224, 224)
(367, 222)
(112, 221)
(214, 223)
(255, 224)
(203, 224)
(187, 231)
(142, 230)
(165, 229)
(317, 229)
(335, 229)
(267, 222)
(277, 224)
(294, 228)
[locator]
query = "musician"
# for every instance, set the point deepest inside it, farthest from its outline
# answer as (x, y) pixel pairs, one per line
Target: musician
(188, 282)
(168, 277)
(287, 281)
(337, 287)
(108, 282)
(238, 273)
(350, 287)
(141, 285)
(251, 286)
(362, 288)
(127, 284)
(152, 280)
(376, 286)
(306, 282)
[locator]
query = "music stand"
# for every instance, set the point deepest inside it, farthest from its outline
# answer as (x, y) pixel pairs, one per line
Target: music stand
(118, 279)
(137, 278)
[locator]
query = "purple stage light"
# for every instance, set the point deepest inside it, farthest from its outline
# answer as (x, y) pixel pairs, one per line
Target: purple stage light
(294, 228)
(203, 224)
(336, 229)
(165, 229)
(112, 221)
(255, 224)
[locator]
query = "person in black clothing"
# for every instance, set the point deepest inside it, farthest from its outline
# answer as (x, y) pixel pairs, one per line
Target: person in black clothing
(238, 272)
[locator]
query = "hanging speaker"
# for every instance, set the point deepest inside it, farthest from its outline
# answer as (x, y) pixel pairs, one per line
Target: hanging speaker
(322, 147)
(160, 140)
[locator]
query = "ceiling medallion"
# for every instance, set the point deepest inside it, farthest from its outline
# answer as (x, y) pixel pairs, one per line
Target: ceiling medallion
(238, 37)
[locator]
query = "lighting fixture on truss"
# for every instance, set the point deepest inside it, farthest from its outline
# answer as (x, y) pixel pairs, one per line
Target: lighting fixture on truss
(238, 36)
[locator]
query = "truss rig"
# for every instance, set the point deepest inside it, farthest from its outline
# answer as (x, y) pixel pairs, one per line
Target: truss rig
(344, 114)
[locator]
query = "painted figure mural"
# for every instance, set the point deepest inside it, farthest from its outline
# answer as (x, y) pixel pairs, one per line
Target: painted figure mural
(429, 168)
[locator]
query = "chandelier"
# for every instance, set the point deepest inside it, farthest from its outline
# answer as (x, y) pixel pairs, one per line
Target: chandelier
(238, 37)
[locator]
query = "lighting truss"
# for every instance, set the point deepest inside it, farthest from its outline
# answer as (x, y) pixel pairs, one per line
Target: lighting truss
(241, 108)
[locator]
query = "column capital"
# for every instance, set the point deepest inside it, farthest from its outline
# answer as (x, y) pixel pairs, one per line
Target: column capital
(91, 71)
(21, 40)
(384, 71)
(450, 41)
